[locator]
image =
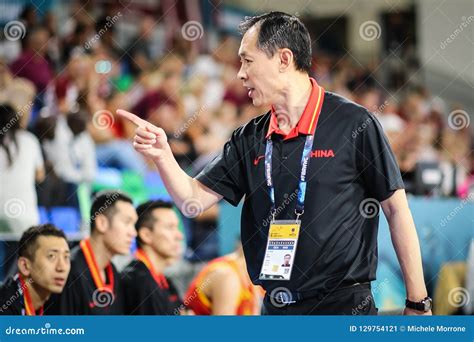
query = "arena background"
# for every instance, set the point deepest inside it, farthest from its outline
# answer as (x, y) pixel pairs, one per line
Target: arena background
(175, 63)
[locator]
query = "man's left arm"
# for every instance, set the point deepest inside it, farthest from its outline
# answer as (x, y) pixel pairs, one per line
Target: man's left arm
(406, 244)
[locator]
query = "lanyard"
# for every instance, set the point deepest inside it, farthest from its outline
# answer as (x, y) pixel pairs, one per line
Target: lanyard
(302, 182)
(94, 269)
(158, 277)
(29, 308)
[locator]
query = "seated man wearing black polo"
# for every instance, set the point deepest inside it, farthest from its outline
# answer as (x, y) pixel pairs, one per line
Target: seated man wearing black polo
(313, 171)
(159, 241)
(43, 267)
(94, 285)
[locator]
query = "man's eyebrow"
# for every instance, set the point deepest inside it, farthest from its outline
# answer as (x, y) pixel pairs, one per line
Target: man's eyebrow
(57, 250)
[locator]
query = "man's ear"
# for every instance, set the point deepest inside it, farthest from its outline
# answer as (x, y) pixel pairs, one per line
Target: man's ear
(101, 223)
(145, 235)
(286, 59)
(24, 266)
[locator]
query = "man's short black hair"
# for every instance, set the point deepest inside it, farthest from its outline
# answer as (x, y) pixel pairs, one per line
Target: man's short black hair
(278, 30)
(145, 215)
(104, 203)
(28, 242)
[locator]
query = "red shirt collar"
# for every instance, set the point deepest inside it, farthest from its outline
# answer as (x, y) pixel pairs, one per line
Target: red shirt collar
(308, 120)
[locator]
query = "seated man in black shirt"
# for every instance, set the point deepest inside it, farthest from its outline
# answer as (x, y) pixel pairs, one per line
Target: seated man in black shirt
(93, 287)
(159, 240)
(43, 267)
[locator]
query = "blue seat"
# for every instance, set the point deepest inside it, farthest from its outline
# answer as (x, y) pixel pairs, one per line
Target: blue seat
(133, 247)
(153, 180)
(44, 215)
(155, 187)
(66, 218)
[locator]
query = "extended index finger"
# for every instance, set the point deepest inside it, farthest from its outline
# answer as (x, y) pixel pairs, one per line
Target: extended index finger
(133, 118)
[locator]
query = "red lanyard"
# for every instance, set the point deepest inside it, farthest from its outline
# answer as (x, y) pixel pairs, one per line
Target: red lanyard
(92, 265)
(159, 277)
(29, 308)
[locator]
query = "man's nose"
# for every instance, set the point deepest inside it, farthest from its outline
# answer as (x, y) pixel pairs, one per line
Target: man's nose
(61, 264)
(241, 74)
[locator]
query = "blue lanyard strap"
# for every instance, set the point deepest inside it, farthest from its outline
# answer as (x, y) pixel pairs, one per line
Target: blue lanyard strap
(302, 182)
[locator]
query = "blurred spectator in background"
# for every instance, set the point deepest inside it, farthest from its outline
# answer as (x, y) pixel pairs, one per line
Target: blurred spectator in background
(17, 91)
(33, 63)
(139, 53)
(21, 165)
(72, 154)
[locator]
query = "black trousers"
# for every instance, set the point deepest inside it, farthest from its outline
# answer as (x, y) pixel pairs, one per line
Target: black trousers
(353, 300)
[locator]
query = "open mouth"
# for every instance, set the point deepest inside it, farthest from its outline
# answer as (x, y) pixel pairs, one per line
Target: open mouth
(250, 91)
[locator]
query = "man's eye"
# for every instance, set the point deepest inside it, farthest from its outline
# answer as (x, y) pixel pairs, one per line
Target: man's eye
(248, 61)
(51, 256)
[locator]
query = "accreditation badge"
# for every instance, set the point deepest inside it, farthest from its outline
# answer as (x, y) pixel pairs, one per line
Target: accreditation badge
(281, 248)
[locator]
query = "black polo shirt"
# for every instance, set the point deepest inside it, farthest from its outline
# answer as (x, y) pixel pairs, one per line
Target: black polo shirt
(12, 301)
(351, 166)
(143, 296)
(80, 295)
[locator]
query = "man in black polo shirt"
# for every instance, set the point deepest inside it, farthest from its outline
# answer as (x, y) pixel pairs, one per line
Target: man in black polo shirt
(43, 267)
(159, 240)
(313, 171)
(93, 286)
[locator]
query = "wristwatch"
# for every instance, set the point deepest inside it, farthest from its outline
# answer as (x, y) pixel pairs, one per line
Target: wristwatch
(424, 305)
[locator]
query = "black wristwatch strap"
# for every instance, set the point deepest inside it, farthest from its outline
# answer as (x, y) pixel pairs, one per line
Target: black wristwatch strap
(424, 305)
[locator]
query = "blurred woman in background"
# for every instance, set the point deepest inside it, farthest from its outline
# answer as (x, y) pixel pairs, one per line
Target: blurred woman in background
(21, 165)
